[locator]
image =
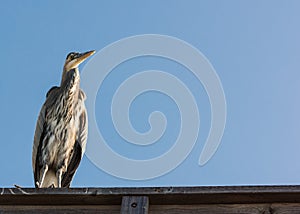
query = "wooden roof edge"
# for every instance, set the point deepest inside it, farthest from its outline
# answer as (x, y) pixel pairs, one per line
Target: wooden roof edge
(151, 190)
(157, 195)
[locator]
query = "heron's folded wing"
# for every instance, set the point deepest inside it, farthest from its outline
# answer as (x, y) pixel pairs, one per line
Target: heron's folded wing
(38, 136)
(83, 123)
(40, 133)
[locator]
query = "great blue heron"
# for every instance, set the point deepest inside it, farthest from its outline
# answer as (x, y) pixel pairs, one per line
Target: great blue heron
(61, 130)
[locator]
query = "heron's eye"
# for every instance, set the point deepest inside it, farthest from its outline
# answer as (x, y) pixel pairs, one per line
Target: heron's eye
(71, 56)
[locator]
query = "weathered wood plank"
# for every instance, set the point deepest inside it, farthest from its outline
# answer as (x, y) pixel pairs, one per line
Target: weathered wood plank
(157, 196)
(135, 205)
(277, 208)
(209, 208)
(73, 209)
(244, 199)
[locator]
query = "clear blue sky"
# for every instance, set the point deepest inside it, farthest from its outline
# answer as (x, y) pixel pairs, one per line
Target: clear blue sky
(253, 45)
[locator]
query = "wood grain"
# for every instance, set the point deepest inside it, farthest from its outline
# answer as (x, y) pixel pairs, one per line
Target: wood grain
(225, 199)
(134, 205)
(277, 208)
(74, 209)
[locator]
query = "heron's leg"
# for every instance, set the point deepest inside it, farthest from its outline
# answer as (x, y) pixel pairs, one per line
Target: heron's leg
(43, 174)
(59, 177)
(60, 171)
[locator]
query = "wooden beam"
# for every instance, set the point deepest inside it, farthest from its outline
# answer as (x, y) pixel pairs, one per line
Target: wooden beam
(59, 209)
(135, 205)
(156, 195)
(222, 199)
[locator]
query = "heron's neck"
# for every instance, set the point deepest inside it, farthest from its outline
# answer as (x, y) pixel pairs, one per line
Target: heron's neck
(70, 81)
(69, 87)
(69, 76)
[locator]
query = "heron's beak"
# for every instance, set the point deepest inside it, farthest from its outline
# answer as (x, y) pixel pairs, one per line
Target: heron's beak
(69, 65)
(83, 56)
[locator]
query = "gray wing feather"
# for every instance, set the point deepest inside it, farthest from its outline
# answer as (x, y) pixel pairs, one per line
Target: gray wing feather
(37, 135)
(39, 129)
(83, 123)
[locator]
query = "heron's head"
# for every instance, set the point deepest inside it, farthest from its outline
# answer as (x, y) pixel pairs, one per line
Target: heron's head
(74, 59)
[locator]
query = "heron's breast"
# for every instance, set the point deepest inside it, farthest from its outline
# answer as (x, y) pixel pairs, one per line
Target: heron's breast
(60, 142)
(60, 131)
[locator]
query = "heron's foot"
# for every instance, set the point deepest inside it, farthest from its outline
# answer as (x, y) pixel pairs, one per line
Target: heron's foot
(17, 186)
(51, 186)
